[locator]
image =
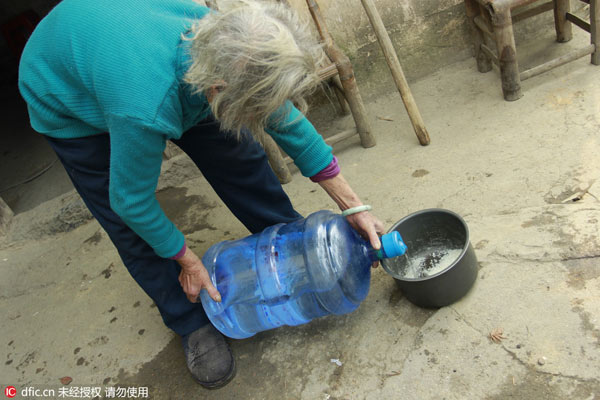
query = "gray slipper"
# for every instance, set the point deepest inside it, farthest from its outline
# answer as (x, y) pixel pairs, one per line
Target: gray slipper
(209, 357)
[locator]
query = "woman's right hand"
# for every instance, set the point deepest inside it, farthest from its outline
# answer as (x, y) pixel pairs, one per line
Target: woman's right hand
(194, 277)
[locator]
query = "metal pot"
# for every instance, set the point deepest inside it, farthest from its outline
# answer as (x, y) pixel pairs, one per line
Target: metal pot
(434, 232)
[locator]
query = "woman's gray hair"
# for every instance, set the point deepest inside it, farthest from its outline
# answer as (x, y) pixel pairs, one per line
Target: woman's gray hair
(260, 54)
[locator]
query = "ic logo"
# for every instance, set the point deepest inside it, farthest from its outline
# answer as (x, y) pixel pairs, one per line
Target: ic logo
(10, 391)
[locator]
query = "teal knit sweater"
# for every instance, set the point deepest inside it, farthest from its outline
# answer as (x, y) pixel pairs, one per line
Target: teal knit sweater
(94, 66)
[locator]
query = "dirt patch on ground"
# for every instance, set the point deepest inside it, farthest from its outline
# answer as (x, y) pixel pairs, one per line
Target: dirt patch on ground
(188, 213)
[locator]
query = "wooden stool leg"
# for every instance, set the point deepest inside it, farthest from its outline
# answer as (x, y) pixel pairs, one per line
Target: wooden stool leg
(359, 113)
(276, 160)
(484, 63)
(595, 30)
(564, 31)
(346, 74)
(336, 85)
(507, 53)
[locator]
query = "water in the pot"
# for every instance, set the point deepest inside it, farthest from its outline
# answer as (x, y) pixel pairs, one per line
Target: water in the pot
(426, 261)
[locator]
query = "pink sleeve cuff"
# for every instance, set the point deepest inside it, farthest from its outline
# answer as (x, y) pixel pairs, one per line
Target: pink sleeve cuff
(180, 253)
(330, 171)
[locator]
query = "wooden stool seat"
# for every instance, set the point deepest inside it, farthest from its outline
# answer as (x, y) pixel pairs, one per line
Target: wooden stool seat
(492, 20)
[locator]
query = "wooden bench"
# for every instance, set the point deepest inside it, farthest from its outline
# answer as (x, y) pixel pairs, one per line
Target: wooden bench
(492, 20)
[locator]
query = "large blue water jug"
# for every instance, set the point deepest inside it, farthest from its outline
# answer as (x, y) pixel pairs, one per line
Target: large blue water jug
(291, 273)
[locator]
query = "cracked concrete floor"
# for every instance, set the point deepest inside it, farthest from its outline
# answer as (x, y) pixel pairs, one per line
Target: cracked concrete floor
(522, 174)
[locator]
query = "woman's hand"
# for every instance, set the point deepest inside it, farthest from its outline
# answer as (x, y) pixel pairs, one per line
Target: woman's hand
(369, 226)
(194, 277)
(364, 222)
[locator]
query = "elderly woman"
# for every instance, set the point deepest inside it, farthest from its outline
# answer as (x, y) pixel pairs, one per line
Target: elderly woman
(108, 83)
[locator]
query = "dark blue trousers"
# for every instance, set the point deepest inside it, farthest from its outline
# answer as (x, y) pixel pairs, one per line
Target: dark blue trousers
(237, 170)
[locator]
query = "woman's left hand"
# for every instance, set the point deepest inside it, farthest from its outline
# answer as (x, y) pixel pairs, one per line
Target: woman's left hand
(369, 226)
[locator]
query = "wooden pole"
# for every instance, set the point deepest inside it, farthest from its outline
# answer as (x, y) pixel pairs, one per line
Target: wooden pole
(533, 11)
(481, 24)
(557, 62)
(564, 32)
(397, 73)
(506, 3)
(336, 84)
(490, 53)
(595, 30)
(579, 22)
(484, 63)
(507, 52)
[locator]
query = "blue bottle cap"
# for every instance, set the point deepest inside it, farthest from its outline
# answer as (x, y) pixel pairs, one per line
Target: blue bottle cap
(392, 244)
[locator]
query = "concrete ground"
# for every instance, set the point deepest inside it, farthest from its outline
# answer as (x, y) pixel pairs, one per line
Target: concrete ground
(524, 175)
